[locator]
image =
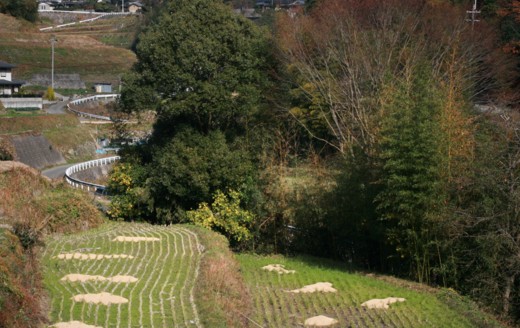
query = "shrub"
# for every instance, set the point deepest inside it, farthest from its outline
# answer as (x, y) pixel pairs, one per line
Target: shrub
(225, 216)
(49, 94)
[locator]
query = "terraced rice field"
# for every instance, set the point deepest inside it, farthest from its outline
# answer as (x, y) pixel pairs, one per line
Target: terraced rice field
(275, 306)
(165, 262)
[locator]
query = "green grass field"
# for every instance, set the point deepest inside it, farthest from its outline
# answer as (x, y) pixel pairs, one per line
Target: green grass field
(162, 297)
(275, 307)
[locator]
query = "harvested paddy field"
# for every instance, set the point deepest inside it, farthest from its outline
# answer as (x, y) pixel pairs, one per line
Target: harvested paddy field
(328, 292)
(151, 286)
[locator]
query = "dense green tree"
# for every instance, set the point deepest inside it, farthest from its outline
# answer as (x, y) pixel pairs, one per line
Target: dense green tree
(201, 69)
(486, 239)
(26, 9)
(190, 168)
(199, 64)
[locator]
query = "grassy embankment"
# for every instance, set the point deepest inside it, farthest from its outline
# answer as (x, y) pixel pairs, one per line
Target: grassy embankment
(77, 51)
(30, 207)
(274, 306)
(74, 140)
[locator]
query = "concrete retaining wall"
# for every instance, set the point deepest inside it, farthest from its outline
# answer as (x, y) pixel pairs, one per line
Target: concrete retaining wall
(36, 151)
(22, 102)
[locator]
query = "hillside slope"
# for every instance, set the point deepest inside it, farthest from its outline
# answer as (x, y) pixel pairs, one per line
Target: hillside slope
(31, 206)
(28, 48)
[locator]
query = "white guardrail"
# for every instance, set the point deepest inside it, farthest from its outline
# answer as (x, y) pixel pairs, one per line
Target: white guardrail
(88, 99)
(76, 183)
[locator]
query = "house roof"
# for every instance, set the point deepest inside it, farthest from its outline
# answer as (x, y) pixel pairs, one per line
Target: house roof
(3, 64)
(15, 83)
(136, 3)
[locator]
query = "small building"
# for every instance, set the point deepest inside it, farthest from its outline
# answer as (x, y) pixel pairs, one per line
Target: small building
(102, 87)
(135, 7)
(8, 86)
(44, 6)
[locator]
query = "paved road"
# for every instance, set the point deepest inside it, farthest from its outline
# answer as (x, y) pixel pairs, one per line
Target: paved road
(57, 108)
(56, 172)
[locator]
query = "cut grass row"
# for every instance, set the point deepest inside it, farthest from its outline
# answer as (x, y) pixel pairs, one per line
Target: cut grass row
(164, 294)
(275, 307)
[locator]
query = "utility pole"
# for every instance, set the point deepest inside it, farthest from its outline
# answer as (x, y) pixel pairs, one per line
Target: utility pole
(472, 14)
(122, 6)
(53, 40)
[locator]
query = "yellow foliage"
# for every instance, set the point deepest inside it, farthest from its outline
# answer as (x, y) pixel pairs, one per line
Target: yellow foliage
(224, 215)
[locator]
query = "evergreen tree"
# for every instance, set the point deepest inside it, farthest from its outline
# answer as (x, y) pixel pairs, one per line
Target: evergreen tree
(412, 195)
(201, 69)
(201, 65)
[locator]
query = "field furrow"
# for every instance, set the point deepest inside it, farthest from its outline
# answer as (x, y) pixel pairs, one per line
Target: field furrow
(165, 267)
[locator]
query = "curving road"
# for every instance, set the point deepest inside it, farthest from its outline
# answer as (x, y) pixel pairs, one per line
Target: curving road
(56, 172)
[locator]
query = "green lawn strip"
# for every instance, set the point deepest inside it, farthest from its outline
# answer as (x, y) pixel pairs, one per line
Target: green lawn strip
(421, 309)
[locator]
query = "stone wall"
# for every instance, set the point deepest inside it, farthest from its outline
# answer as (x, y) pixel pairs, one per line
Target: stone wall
(61, 81)
(60, 17)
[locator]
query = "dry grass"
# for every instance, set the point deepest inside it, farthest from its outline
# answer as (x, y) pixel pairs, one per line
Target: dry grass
(31, 206)
(19, 285)
(222, 297)
(29, 198)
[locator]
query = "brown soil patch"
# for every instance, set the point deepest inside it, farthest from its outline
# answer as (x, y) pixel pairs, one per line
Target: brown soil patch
(382, 303)
(83, 277)
(278, 268)
(324, 287)
(80, 41)
(73, 324)
(320, 321)
(103, 298)
(84, 256)
(135, 239)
